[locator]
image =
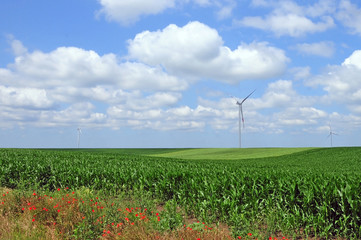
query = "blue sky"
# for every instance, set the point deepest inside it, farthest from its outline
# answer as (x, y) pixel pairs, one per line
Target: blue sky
(162, 73)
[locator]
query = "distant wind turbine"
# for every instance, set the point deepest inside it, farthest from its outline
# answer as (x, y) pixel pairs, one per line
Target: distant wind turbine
(240, 113)
(79, 133)
(331, 134)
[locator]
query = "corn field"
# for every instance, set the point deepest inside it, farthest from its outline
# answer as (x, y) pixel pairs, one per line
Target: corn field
(315, 192)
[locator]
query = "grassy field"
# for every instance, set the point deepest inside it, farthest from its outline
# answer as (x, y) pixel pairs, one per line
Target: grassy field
(200, 153)
(297, 193)
(226, 153)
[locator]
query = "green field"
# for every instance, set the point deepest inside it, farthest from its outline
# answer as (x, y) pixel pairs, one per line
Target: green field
(201, 153)
(227, 153)
(300, 192)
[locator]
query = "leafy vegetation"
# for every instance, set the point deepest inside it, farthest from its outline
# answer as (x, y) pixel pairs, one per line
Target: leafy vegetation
(310, 193)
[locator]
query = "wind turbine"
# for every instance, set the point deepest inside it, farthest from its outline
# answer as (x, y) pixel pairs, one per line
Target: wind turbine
(79, 133)
(331, 134)
(240, 113)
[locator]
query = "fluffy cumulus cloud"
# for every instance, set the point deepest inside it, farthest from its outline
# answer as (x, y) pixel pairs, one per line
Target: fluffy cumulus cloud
(24, 97)
(196, 51)
(181, 118)
(291, 19)
(290, 108)
(280, 107)
(342, 82)
(83, 68)
(305, 116)
(65, 85)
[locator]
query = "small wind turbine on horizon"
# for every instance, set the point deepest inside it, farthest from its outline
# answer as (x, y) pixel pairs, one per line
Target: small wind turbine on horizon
(331, 134)
(240, 116)
(79, 133)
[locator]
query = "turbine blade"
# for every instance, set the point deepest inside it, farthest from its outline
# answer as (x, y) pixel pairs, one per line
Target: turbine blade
(248, 96)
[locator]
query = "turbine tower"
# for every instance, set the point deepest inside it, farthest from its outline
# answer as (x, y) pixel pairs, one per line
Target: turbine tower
(240, 114)
(79, 133)
(331, 134)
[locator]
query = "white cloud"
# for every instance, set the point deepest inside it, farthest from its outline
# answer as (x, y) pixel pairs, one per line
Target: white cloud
(17, 47)
(75, 67)
(226, 9)
(182, 118)
(342, 82)
(24, 97)
(290, 24)
(322, 49)
(140, 76)
(350, 15)
(81, 113)
(157, 100)
(225, 12)
(300, 72)
(194, 42)
(82, 78)
(321, 8)
(291, 19)
(300, 116)
(127, 12)
(282, 95)
(196, 51)
(353, 60)
(288, 106)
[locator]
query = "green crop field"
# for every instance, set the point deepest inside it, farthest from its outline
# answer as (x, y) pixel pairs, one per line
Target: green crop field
(226, 153)
(313, 192)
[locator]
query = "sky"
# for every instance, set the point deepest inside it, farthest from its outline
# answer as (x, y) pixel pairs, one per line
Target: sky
(168, 73)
